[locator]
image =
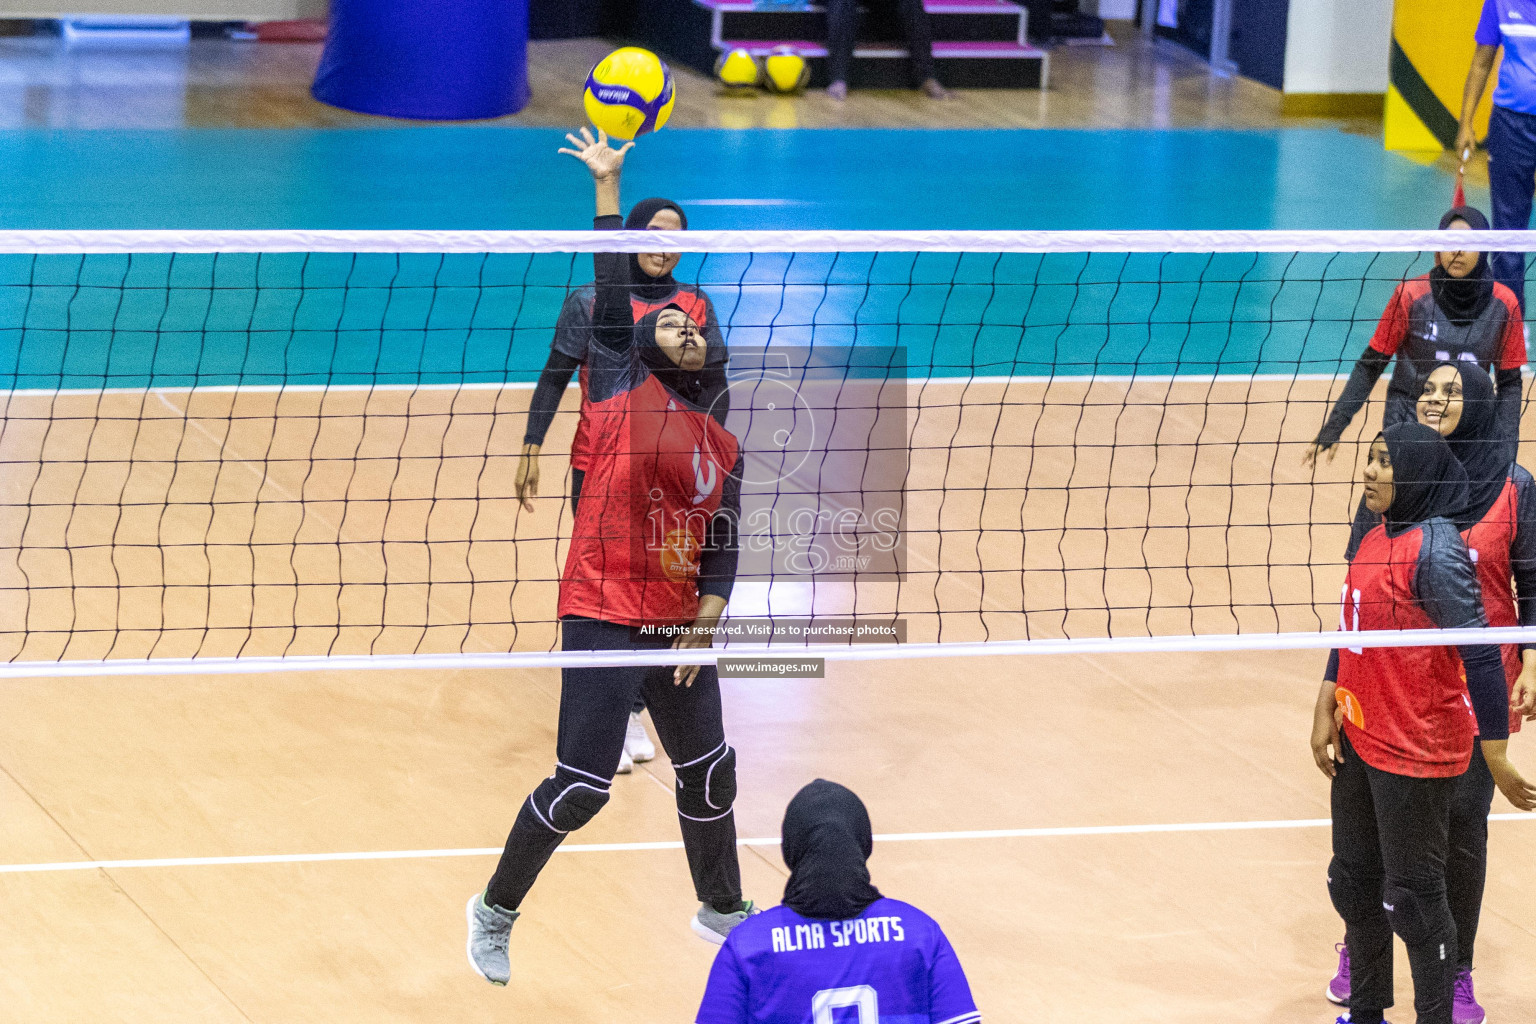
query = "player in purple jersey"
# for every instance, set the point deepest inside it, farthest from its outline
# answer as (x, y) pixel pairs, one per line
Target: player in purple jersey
(836, 951)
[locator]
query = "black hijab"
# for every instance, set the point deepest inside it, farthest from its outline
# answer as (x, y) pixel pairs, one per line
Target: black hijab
(1427, 481)
(826, 840)
(1477, 443)
(653, 289)
(1463, 299)
(688, 384)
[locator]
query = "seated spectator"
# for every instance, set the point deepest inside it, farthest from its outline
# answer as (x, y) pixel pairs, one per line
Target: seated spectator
(835, 942)
(842, 27)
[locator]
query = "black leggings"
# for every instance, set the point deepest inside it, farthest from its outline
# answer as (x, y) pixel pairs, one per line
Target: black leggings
(842, 27)
(594, 711)
(1466, 864)
(1390, 838)
(578, 477)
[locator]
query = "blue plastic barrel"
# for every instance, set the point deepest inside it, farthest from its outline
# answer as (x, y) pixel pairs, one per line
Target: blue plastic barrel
(435, 60)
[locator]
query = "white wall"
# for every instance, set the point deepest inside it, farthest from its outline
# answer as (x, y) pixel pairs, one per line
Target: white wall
(1338, 45)
(201, 10)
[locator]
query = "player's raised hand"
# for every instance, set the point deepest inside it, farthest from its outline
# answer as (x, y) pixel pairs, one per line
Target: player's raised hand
(601, 159)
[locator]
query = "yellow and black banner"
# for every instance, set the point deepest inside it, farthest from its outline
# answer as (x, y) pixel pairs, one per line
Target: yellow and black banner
(1432, 49)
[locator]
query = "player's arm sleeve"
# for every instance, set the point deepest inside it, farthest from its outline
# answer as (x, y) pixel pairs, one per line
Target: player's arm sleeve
(1488, 33)
(1508, 395)
(611, 355)
(949, 994)
(1445, 585)
(725, 994)
(718, 351)
(722, 548)
(1522, 549)
(1364, 522)
(573, 330)
(716, 394)
(1331, 672)
(546, 396)
(1367, 371)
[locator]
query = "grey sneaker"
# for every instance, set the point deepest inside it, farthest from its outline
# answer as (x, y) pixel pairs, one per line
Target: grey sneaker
(712, 926)
(489, 929)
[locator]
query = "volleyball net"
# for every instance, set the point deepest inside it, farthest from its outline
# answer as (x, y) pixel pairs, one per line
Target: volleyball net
(261, 450)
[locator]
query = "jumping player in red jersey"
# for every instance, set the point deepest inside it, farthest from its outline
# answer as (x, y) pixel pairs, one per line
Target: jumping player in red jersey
(1499, 529)
(1457, 312)
(652, 288)
(1408, 723)
(651, 565)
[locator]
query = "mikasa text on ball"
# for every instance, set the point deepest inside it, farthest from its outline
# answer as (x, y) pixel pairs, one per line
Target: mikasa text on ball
(629, 93)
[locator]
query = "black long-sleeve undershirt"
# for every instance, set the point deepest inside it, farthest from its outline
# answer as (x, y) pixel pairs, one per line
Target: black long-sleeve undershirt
(546, 395)
(1507, 391)
(1368, 370)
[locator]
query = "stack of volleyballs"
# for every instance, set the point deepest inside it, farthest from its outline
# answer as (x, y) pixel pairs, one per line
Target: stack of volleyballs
(783, 70)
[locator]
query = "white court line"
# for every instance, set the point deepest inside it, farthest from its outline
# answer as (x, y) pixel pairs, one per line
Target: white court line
(493, 851)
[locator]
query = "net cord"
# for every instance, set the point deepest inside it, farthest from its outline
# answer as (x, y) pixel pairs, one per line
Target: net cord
(827, 241)
(1319, 641)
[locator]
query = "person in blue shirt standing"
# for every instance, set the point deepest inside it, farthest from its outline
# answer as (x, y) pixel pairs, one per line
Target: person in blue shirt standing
(1512, 129)
(835, 950)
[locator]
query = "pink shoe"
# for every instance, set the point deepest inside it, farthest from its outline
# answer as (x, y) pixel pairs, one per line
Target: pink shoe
(1338, 989)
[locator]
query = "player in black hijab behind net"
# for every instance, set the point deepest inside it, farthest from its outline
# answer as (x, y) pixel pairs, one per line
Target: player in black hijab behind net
(1457, 312)
(652, 287)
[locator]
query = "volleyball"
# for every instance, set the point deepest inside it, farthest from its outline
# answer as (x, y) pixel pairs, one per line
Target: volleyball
(785, 70)
(738, 69)
(629, 93)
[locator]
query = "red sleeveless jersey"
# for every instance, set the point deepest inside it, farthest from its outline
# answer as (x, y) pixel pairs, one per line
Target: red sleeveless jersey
(656, 474)
(1406, 708)
(1489, 543)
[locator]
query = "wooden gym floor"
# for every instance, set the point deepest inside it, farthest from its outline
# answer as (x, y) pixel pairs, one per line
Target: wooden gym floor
(1213, 918)
(215, 83)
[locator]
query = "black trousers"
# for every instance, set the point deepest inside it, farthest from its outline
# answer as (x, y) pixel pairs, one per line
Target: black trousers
(842, 28)
(594, 712)
(1466, 864)
(1390, 839)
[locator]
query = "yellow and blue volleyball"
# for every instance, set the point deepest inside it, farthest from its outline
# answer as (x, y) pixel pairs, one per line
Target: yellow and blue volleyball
(738, 69)
(629, 93)
(785, 70)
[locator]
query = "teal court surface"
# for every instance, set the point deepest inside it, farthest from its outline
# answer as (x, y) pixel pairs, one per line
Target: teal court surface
(507, 178)
(333, 319)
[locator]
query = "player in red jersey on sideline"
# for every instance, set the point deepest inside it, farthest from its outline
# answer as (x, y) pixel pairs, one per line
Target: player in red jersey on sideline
(1456, 311)
(1408, 723)
(651, 565)
(1499, 528)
